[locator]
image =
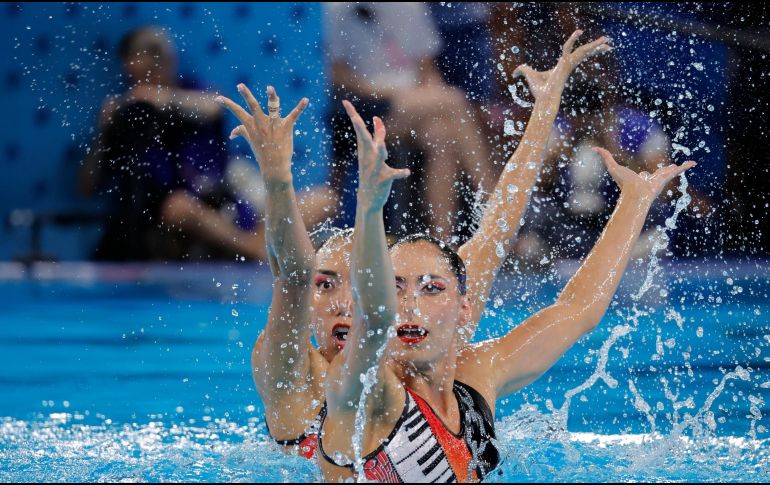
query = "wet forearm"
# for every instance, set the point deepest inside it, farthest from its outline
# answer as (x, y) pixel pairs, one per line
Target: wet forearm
(372, 270)
(592, 287)
(522, 169)
(288, 243)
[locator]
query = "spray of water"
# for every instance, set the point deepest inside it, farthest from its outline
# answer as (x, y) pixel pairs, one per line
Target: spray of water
(368, 379)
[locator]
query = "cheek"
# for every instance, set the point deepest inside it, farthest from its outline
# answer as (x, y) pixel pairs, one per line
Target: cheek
(322, 302)
(438, 310)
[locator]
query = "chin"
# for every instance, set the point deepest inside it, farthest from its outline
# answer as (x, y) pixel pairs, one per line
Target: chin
(407, 354)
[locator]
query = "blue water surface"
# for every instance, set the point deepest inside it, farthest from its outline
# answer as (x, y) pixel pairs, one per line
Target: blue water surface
(136, 373)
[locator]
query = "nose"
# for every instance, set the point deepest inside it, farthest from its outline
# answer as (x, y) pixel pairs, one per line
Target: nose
(408, 303)
(342, 308)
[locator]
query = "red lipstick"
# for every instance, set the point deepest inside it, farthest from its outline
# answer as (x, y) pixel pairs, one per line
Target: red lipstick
(411, 334)
(340, 334)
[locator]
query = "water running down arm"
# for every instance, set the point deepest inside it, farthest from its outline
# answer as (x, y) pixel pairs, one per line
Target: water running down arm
(280, 359)
(535, 345)
(508, 201)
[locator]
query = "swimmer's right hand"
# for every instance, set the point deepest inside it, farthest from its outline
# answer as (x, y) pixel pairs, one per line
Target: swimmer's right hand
(271, 139)
(375, 176)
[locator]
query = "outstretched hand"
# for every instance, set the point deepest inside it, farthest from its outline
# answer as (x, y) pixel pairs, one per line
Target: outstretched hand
(375, 176)
(645, 184)
(540, 82)
(271, 139)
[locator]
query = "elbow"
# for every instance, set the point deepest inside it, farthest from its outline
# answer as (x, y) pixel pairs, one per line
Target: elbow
(586, 316)
(590, 318)
(589, 324)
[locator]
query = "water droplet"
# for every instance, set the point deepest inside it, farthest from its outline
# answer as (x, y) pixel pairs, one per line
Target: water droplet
(500, 250)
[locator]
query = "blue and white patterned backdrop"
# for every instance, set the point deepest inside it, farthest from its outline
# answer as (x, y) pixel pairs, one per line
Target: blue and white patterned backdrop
(59, 61)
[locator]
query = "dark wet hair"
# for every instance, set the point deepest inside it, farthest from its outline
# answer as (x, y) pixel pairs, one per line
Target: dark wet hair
(327, 237)
(455, 261)
(321, 241)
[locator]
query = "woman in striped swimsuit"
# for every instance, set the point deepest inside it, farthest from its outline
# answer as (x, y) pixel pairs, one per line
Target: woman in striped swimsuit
(289, 372)
(407, 399)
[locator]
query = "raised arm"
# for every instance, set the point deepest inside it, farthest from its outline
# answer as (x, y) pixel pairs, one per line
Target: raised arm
(374, 297)
(280, 359)
(485, 252)
(535, 345)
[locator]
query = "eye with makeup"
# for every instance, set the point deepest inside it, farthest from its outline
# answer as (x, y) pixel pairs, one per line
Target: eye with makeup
(324, 282)
(434, 287)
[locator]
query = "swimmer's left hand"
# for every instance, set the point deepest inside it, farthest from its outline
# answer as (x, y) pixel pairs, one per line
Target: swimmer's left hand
(646, 185)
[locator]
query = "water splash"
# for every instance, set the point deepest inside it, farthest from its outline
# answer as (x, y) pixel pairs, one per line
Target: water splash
(516, 99)
(58, 447)
(662, 239)
(537, 451)
(368, 379)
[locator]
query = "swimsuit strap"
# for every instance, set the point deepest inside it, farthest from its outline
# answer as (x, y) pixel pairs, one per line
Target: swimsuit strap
(479, 427)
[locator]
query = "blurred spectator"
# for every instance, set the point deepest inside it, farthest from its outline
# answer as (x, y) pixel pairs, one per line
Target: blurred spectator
(161, 153)
(383, 58)
(574, 197)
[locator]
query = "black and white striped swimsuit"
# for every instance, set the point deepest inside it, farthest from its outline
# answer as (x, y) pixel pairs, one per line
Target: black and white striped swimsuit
(422, 449)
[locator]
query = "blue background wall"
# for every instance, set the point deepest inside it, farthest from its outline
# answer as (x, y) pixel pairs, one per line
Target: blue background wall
(59, 62)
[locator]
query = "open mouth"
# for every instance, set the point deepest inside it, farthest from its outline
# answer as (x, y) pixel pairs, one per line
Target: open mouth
(340, 334)
(411, 334)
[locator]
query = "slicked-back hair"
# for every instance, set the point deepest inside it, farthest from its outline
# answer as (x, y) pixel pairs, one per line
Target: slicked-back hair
(346, 235)
(455, 261)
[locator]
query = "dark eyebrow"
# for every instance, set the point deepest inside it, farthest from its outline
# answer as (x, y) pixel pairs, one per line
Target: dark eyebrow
(431, 276)
(329, 272)
(400, 279)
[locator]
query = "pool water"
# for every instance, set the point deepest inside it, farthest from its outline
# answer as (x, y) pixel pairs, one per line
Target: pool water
(141, 373)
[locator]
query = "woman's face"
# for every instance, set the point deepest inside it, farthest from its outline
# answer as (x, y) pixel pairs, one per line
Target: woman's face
(332, 311)
(431, 307)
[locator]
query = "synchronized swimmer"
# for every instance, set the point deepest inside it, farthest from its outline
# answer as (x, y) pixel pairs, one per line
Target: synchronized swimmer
(395, 391)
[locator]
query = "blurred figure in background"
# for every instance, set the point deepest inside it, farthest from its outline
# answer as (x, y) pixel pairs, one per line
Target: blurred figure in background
(160, 154)
(383, 56)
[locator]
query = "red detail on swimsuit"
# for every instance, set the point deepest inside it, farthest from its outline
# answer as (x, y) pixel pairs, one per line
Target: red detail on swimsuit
(308, 446)
(381, 470)
(455, 448)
